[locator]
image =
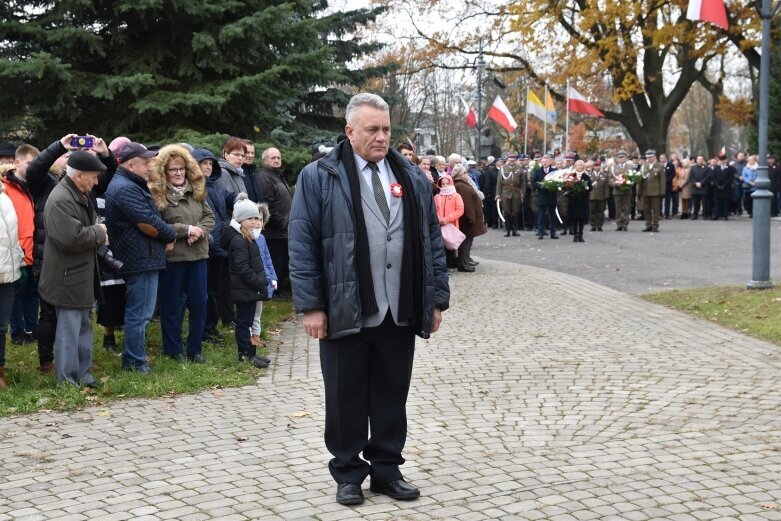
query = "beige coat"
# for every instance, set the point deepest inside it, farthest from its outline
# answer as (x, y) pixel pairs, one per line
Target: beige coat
(684, 183)
(184, 211)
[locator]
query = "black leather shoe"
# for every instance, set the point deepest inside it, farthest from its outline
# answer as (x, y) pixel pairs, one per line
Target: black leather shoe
(397, 489)
(554, 236)
(540, 237)
(349, 494)
(646, 229)
(470, 269)
(473, 263)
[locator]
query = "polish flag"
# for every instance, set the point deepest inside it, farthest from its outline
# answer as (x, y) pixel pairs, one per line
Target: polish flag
(577, 103)
(713, 11)
(471, 117)
(501, 114)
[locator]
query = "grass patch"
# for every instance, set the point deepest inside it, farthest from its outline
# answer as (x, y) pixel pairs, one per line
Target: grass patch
(29, 391)
(752, 312)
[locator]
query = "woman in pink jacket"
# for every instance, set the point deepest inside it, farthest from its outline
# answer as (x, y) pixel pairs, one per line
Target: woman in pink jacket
(450, 207)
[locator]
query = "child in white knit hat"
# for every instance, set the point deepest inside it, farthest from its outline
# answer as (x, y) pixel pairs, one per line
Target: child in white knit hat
(248, 283)
(271, 274)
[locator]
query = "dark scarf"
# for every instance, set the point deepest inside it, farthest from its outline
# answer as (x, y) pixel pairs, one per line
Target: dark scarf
(411, 290)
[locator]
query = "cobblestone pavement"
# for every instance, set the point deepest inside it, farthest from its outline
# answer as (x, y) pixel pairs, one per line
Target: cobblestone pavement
(543, 397)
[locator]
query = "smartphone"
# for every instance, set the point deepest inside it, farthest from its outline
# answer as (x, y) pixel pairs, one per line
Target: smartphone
(83, 142)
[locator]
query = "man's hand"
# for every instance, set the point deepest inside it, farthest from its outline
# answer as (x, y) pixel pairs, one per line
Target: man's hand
(316, 324)
(66, 142)
(498, 197)
(99, 146)
(105, 233)
(436, 320)
(169, 246)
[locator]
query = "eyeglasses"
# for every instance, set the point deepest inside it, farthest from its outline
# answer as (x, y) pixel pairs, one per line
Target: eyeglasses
(180, 170)
(238, 154)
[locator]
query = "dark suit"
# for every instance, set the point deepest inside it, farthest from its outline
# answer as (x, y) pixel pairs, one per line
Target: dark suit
(546, 202)
(700, 174)
(366, 358)
(722, 182)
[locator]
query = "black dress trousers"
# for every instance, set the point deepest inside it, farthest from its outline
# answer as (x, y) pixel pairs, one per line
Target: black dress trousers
(367, 378)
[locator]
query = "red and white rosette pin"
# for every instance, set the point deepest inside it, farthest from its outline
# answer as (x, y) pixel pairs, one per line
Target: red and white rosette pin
(396, 190)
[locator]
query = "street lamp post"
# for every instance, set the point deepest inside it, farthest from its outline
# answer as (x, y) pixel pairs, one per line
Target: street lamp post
(480, 66)
(761, 211)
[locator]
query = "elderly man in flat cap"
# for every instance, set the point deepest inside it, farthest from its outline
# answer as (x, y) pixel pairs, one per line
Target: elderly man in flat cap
(69, 276)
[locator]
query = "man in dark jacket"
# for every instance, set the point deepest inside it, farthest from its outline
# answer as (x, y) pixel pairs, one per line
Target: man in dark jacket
(546, 200)
(43, 174)
(218, 302)
(723, 185)
(700, 180)
(488, 186)
(774, 173)
(367, 267)
(139, 239)
(69, 275)
(276, 193)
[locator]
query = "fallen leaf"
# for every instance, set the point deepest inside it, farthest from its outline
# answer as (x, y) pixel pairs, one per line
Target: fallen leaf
(768, 506)
(104, 413)
(300, 414)
(167, 407)
(241, 438)
(218, 393)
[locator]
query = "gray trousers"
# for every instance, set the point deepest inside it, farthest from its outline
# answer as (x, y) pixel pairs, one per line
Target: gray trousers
(73, 346)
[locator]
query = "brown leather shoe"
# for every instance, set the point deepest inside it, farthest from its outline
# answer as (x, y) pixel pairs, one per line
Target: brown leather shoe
(3, 385)
(46, 367)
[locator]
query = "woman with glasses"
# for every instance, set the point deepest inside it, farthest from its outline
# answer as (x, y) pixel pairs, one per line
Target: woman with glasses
(179, 190)
(234, 151)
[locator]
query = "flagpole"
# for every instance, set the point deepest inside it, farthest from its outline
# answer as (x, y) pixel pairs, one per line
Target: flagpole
(526, 126)
(545, 122)
(566, 137)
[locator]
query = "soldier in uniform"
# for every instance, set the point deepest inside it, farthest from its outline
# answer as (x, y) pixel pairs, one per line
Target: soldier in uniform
(600, 191)
(652, 186)
(510, 189)
(530, 200)
(622, 196)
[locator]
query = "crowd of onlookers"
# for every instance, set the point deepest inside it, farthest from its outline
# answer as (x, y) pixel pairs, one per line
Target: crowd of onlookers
(137, 231)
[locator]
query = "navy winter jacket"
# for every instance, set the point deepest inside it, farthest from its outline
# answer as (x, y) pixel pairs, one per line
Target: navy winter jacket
(129, 204)
(321, 237)
(219, 200)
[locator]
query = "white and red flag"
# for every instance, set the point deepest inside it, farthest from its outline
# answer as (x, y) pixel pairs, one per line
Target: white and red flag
(713, 11)
(471, 117)
(577, 103)
(501, 114)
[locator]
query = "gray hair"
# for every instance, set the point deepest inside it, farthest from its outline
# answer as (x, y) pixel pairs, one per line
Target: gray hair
(70, 171)
(454, 157)
(458, 170)
(364, 99)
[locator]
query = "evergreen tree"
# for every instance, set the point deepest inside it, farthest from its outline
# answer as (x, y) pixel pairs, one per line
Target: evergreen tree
(774, 122)
(151, 69)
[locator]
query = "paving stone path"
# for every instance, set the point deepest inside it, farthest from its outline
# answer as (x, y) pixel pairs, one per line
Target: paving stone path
(544, 396)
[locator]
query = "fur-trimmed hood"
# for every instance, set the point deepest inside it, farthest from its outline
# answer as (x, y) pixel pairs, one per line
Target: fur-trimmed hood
(157, 179)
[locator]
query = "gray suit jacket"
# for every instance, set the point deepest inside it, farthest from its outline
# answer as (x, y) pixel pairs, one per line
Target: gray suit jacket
(386, 248)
